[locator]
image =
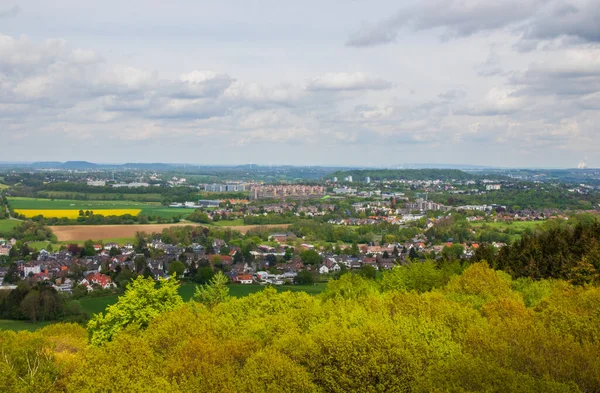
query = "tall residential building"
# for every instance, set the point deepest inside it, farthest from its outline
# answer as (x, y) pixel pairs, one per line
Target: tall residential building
(286, 191)
(227, 187)
(367, 180)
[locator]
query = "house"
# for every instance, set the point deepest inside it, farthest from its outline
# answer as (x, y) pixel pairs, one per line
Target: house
(31, 268)
(244, 279)
(100, 279)
(323, 270)
(108, 246)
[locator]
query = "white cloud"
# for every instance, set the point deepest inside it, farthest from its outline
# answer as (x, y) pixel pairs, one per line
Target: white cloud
(341, 81)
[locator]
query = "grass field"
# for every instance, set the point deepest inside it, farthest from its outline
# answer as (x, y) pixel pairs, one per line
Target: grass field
(513, 228)
(100, 196)
(229, 223)
(3, 186)
(6, 324)
(149, 209)
(7, 225)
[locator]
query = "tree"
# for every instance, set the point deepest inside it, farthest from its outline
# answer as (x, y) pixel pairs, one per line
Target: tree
(289, 253)
(215, 292)
(88, 248)
(140, 303)
(272, 259)
(304, 277)
(176, 268)
(311, 257)
(30, 305)
(114, 251)
(204, 274)
(140, 263)
(12, 274)
(368, 271)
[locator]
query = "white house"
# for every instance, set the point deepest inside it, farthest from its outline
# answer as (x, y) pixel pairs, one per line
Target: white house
(324, 269)
(33, 269)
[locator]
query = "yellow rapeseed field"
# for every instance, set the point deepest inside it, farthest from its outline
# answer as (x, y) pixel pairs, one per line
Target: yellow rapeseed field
(48, 213)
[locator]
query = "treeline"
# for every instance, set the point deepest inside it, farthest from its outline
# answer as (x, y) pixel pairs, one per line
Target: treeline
(403, 174)
(515, 199)
(560, 251)
(90, 218)
(420, 329)
(38, 302)
(270, 219)
(32, 231)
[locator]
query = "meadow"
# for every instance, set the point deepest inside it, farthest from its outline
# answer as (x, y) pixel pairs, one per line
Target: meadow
(148, 209)
(99, 196)
(6, 226)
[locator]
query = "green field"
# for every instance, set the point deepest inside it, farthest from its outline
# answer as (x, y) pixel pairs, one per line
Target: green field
(3, 186)
(6, 226)
(6, 324)
(149, 209)
(229, 223)
(100, 196)
(513, 228)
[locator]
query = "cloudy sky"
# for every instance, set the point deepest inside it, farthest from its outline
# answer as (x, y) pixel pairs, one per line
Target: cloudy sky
(339, 82)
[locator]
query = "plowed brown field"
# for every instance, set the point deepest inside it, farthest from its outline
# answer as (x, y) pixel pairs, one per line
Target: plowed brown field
(98, 232)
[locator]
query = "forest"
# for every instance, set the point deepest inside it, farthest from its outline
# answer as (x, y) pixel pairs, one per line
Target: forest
(418, 329)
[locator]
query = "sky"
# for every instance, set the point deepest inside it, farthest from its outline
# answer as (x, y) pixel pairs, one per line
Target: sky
(510, 83)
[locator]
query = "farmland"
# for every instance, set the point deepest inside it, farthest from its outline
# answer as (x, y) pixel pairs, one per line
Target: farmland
(103, 232)
(73, 214)
(148, 209)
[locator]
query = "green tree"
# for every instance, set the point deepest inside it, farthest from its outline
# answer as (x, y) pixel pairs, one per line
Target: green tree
(12, 274)
(304, 277)
(311, 257)
(216, 291)
(141, 302)
(368, 271)
(140, 263)
(204, 274)
(176, 268)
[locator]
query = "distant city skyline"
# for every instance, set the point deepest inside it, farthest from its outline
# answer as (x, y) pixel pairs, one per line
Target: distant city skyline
(512, 84)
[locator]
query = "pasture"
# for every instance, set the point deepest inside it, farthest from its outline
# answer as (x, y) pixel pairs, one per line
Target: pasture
(101, 197)
(6, 226)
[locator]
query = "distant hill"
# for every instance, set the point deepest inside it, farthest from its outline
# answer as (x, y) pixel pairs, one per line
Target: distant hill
(149, 166)
(79, 165)
(402, 174)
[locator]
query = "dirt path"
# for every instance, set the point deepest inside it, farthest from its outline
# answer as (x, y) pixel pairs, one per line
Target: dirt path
(98, 232)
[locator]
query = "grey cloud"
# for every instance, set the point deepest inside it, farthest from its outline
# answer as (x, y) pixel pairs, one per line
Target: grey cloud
(10, 12)
(578, 74)
(535, 19)
(453, 95)
(579, 19)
